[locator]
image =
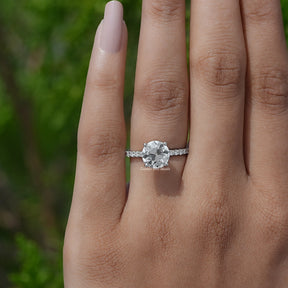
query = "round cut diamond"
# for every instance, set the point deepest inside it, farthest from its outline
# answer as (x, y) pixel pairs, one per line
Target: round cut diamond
(155, 154)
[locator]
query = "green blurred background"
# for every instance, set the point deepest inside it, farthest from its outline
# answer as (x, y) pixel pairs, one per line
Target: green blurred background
(45, 47)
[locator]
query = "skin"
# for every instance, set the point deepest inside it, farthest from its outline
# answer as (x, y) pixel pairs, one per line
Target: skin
(217, 218)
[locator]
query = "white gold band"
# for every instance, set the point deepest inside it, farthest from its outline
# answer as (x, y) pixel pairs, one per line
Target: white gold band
(174, 152)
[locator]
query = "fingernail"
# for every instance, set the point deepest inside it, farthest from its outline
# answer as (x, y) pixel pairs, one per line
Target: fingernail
(111, 34)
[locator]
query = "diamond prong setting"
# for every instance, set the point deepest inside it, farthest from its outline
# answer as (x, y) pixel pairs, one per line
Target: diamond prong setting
(155, 154)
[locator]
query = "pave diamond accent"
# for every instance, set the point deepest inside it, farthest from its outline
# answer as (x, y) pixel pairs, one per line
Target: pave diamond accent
(179, 152)
(132, 154)
(155, 154)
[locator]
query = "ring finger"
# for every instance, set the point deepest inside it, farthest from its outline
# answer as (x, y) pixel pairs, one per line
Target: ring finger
(160, 108)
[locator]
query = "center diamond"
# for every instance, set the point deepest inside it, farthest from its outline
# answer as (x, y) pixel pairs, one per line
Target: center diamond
(155, 154)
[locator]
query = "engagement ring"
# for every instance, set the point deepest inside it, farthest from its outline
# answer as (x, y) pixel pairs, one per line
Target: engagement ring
(156, 154)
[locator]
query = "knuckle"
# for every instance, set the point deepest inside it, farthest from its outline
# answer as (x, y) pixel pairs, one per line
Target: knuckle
(162, 96)
(259, 10)
(103, 80)
(217, 224)
(165, 10)
(221, 71)
(274, 223)
(103, 265)
(100, 263)
(270, 89)
(158, 225)
(162, 236)
(100, 145)
(272, 213)
(216, 218)
(68, 250)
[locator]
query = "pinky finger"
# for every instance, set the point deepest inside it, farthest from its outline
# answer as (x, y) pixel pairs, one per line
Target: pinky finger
(99, 192)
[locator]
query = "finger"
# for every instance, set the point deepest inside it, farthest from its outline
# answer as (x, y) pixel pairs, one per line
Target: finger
(267, 105)
(101, 136)
(218, 63)
(160, 108)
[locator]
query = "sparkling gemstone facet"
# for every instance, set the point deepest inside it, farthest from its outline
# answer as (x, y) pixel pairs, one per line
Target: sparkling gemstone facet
(155, 154)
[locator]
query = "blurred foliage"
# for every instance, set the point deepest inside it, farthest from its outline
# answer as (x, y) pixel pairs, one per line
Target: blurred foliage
(38, 269)
(45, 47)
(285, 16)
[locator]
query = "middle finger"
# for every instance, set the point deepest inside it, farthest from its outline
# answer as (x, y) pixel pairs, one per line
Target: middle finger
(218, 68)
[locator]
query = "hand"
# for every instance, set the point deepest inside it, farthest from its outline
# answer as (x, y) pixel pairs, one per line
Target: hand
(217, 218)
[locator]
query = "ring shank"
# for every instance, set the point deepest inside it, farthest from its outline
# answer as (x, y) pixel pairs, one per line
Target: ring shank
(134, 154)
(174, 152)
(179, 152)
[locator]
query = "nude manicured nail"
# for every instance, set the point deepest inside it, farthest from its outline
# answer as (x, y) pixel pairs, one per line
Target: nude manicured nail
(111, 34)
